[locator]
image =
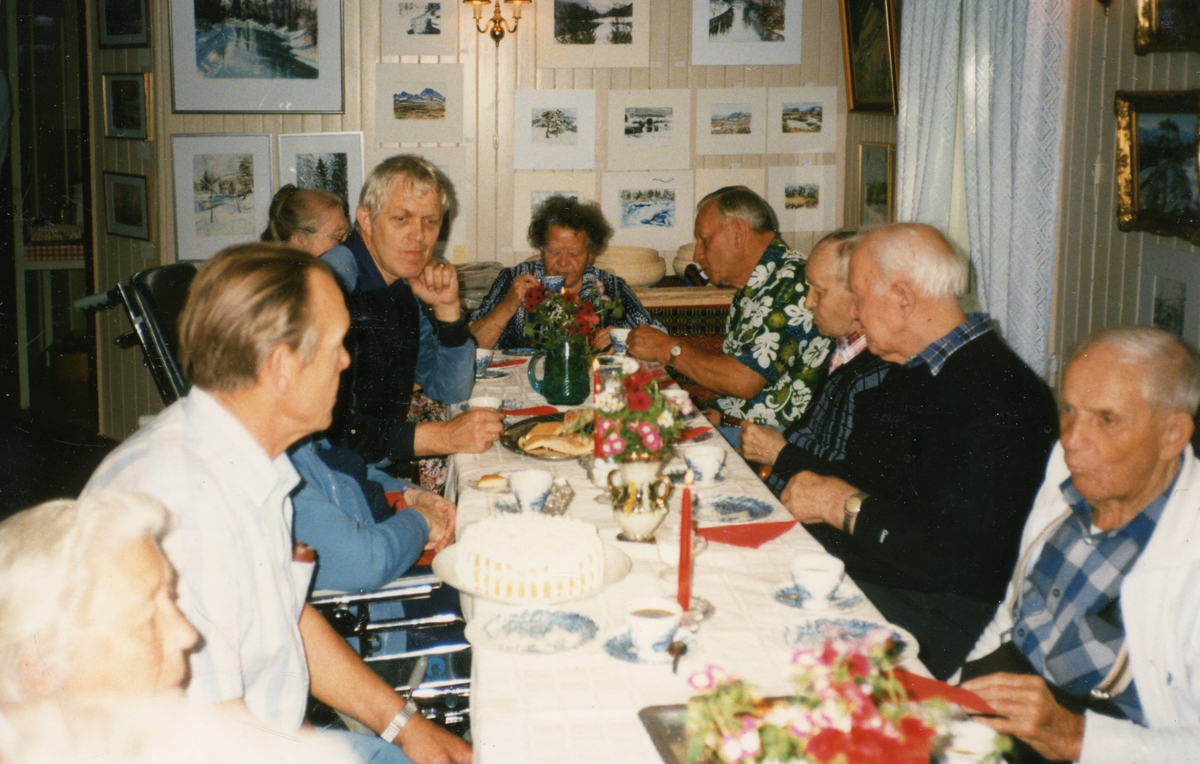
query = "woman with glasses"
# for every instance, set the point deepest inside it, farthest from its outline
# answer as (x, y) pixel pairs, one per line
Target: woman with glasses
(308, 219)
(569, 235)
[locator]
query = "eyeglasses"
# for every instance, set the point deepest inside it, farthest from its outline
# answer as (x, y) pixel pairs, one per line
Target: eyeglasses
(339, 237)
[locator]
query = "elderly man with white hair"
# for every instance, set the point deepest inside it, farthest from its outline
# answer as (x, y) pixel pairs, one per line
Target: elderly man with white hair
(1095, 650)
(927, 505)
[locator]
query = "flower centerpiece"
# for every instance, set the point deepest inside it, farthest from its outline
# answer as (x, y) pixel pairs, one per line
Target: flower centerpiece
(638, 422)
(848, 707)
(554, 316)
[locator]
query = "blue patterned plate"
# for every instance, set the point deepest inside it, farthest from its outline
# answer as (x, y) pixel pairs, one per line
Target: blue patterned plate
(729, 509)
(621, 647)
(813, 633)
(533, 631)
(798, 597)
(492, 374)
(519, 352)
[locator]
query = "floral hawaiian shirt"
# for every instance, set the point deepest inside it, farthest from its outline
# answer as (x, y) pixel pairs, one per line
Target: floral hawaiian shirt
(771, 332)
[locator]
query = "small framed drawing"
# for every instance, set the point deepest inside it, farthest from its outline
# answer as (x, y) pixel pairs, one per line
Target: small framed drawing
(874, 184)
(729, 33)
(257, 57)
(554, 130)
(530, 189)
(419, 28)
(330, 162)
(1165, 25)
(1169, 297)
(595, 34)
(871, 50)
(222, 191)
(649, 129)
(127, 205)
(124, 24)
(1157, 170)
(649, 209)
(418, 103)
(127, 106)
(804, 198)
(731, 121)
(801, 120)
(707, 181)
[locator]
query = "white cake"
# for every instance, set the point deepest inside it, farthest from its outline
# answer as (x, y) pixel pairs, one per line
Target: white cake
(530, 557)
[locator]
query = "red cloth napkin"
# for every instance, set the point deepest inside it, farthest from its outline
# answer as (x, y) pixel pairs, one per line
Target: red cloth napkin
(923, 688)
(513, 362)
(692, 432)
(535, 411)
(752, 535)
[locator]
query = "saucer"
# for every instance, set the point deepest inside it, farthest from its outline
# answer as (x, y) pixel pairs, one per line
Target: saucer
(813, 633)
(492, 374)
(797, 597)
(533, 631)
(519, 352)
(621, 647)
(724, 508)
(677, 479)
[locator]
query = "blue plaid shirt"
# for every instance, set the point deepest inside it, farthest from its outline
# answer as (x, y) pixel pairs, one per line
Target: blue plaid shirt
(1069, 625)
(939, 351)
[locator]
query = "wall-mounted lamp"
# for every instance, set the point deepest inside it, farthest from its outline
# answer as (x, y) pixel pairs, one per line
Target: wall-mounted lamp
(497, 25)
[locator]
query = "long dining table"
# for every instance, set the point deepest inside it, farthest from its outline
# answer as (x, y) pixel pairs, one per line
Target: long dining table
(582, 705)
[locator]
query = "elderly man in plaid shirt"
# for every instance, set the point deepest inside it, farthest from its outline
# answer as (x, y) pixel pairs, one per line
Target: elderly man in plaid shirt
(1093, 656)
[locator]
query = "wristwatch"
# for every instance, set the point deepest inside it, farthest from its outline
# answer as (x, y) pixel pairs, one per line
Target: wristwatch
(399, 720)
(851, 509)
(676, 351)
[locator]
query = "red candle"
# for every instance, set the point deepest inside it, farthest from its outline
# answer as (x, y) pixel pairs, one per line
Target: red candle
(596, 408)
(685, 544)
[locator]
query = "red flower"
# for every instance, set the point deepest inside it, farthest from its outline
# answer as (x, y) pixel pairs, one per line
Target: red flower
(534, 296)
(827, 745)
(638, 400)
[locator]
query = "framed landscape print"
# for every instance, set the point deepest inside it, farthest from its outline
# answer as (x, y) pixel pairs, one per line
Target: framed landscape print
(731, 121)
(127, 206)
(123, 24)
(530, 189)
(418, 27)
(736, 32)
(418, 103)
(801, 120)
(222, 191)
(875, 206)
(870, 46)
(554, 130)
(127, 106)
(649, 209)
(649, 129)
(330, 162)
(1165, 25)
(1169, 297)
(804, 198)
(1158, 177)
(587, 34)
(256, 57)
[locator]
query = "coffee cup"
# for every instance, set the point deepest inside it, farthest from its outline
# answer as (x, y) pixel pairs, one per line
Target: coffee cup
(483, 357)
(619, 337)
(667, 539)
(652, 622)
(819, 575)
(705, 462)
(485, 402)
(553, 283)
(531, 487)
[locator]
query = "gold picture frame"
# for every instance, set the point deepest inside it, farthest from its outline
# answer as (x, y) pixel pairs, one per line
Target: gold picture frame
(127, 112)
(876, 200)
(871, 50)
(1166, 25)
(1158, 163)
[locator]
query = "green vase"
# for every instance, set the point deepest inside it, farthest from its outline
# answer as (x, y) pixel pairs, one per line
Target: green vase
(565, 379)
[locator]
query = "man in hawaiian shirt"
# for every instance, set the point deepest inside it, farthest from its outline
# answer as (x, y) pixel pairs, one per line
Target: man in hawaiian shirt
(772, 352)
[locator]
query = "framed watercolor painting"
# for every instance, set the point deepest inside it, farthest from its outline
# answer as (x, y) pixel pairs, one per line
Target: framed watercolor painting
(418, 103)
(554, 130)
(649, 209)
(256, 57)
(649, 129)
(222, 191)
(127, 106)
(127, 206)
(800, 120)
(124, 24)
(740, 32)
(870, 47)
(1166, 25)
(418, 27)
(330, 162)
(1169, 297)
(731, 121)
(1158, 177)
(875, 205)
(593, 34)
(804, 198)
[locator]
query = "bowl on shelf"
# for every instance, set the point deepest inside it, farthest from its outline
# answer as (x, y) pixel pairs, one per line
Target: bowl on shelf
(684, 257)
(639, 266)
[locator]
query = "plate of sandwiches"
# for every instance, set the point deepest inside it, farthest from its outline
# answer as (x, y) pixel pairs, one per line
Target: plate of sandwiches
(559, 436)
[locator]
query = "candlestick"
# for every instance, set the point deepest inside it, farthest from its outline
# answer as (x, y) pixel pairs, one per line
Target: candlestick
(596, 408)
(685, 544)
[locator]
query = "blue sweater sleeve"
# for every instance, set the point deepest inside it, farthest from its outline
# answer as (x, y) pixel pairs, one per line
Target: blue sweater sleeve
(446, 374)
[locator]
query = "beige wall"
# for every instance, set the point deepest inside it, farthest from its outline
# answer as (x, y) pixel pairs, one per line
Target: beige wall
(485, 191)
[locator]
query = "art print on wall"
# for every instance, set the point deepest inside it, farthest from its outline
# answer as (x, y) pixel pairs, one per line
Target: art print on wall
(1158, 176)
(874, 184)
(127, 205)
(222, 191)
(1169, 298)
(123, 24)
(731, 121)
(804, 198)
(734, 32)
(649, 129)
(418, 103)
(801, 120)
(1166, 25)
(256, 57)
(649, 209)
(127, 106)
(870, 49)
(418, 28)
(591, 34)
(554, 130)
(530, 189)
(330, 162)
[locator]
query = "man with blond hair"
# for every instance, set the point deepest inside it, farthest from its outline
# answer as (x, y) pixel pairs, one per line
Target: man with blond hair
(927, 506)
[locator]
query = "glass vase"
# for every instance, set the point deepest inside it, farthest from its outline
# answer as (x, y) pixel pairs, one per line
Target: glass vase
(567, 375)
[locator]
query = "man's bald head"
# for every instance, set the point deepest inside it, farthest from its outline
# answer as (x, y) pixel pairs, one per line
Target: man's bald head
(920, 254)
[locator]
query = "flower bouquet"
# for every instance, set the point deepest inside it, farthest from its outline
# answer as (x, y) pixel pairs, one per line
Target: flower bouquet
(638, 421)
(552, 317)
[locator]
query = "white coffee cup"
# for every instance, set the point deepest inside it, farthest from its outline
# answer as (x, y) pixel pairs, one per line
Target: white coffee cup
(483, 357)
(531, 488)
(653, 622)
(485, 402)
(667, 539)
(705, 461)
(819, 575)
(619, 337)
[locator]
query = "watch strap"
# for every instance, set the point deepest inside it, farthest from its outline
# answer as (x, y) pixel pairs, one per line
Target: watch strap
(851, 509)
(398, 721)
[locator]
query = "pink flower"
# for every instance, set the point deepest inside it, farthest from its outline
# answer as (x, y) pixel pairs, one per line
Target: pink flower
(744, 746)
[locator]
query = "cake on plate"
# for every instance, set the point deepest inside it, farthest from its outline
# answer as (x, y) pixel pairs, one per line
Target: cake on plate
(530, 557)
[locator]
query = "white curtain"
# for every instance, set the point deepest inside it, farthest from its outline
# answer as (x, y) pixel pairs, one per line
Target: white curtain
(1008, 58)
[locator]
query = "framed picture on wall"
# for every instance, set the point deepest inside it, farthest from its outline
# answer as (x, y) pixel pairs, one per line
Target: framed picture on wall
(1166, 25)
(554, 130)
(127, 106)
(875, 205)
(418, 103)
(870, 46)
(1158, 177)
(418, 27)
(804, 198)
(256, 57)
(649, 129)
(728, 33)
(594, 34)
(330, 162)
(1169, 297)
(124, 24)
(801, 120)
(127, 206)
(731, 121)
(650, 209)
(222, 191)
